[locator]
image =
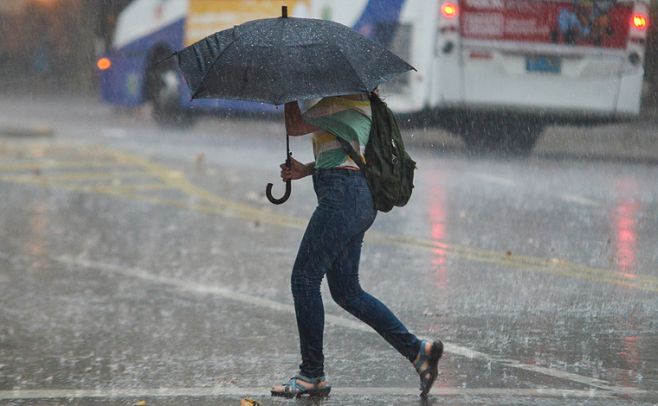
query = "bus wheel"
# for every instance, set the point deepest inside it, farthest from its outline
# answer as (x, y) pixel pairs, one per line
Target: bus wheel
(503, 136)
(165, 95)
(524, 139)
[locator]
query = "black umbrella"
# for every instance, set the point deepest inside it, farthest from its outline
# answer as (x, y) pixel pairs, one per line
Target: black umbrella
(277, 60)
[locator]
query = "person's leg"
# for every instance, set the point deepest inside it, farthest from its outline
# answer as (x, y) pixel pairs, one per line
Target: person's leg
(343, 279)
(331, 227)
(312, 262)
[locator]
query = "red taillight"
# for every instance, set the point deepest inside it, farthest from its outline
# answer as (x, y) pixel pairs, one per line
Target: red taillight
(449, 10)
(104, 64)
(639, 21)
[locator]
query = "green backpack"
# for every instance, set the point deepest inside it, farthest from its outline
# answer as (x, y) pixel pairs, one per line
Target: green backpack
(388, 169)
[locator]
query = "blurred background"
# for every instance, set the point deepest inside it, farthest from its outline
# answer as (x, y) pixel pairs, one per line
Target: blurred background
(52, 45)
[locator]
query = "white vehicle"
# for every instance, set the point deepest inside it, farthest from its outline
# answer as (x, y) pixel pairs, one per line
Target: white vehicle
(496, 71)
(493, 71)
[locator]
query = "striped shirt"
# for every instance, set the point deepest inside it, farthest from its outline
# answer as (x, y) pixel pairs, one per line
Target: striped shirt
(350, 118)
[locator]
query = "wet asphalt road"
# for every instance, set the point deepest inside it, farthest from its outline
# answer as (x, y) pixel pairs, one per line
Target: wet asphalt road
(141, 264)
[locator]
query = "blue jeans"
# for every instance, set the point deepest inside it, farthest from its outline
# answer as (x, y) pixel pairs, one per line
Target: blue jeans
(332, 245)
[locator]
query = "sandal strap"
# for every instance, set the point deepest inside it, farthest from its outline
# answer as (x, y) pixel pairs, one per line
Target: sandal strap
(313, 381)
(306, 379)
(293, 387)
(422, 356)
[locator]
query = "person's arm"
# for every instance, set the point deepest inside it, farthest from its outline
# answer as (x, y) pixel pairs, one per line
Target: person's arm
(295, 124)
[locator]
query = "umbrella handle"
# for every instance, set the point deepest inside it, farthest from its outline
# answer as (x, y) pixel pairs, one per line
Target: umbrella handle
(268, 189)
(272, 199)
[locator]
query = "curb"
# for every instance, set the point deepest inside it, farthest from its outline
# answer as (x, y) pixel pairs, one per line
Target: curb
(627, 142)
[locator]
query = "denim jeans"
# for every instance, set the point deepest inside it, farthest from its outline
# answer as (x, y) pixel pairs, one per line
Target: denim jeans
(332, 246)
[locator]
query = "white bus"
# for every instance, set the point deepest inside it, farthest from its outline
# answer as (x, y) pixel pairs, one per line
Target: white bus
(493, 71)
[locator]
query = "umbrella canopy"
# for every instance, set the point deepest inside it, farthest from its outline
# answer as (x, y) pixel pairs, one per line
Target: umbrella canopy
(278, 60)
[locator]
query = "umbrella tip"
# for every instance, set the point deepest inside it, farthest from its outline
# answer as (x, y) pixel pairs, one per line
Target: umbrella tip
(284, 11)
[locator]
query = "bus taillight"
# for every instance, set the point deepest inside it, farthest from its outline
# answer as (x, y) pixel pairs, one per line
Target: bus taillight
(639, 22)
(449, 10)
(104, 64)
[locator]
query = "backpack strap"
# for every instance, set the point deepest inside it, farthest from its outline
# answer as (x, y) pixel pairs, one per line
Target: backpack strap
(349, 149)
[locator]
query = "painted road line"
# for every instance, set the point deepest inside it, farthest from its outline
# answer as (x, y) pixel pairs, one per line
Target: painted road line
(31, 131)
(237, 391)
(232, 207)
(126, 189)
(210, 203)
(74, 177)
(530, 264)
(54, 164)
(122, 191)
(213, 204)
(121, 188)
(558, 267)
(35, 155)
(251, 299)
(498, 180)
(54, 147)
(567, 197)
(553, 266)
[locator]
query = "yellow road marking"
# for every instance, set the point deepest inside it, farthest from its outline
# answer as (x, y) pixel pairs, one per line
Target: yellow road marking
(210, 203)
(73, 177)
(52, 164)
(178, 181)
(120, 190)
(552, 265)
(125, 190)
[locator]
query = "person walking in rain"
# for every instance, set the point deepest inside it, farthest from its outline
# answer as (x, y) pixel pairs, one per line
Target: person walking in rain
(332, 243)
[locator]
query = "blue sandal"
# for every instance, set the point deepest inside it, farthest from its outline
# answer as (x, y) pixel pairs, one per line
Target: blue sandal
(429, 373)
(292, 389)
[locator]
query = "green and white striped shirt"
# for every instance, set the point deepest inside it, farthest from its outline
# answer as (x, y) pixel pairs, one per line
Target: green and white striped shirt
(348, 117)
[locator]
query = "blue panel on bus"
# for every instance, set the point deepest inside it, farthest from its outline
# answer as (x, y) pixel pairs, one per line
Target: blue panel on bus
(123, 84)
(379, 20)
